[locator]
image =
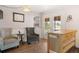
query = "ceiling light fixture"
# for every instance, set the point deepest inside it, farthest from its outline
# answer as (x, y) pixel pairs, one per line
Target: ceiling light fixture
(26, 10)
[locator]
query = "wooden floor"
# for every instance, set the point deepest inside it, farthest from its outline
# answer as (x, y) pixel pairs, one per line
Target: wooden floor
(73, 50)
(36, 47)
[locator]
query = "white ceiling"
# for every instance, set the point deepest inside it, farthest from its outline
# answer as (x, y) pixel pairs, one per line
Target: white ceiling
(34, 8)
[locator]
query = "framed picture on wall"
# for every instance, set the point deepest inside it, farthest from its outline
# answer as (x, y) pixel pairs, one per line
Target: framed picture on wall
(18, 17)
(1, 14)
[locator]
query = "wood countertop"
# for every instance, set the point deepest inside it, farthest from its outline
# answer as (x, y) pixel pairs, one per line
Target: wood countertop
(62, 31)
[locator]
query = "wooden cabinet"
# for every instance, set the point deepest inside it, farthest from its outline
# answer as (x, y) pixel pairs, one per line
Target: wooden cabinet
(61, 41)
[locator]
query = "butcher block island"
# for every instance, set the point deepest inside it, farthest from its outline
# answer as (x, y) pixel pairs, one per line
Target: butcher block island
(61, 41)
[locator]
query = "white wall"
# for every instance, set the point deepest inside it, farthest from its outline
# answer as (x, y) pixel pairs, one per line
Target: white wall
(64, 11)
(30, 22)
(74, 24)
(51, 14)
(7, 21)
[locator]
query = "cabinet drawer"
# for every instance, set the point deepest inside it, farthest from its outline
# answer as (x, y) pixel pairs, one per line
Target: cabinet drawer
(66, 48)
(53, 36)
(70, 35)
(61, 42)
(67, 37)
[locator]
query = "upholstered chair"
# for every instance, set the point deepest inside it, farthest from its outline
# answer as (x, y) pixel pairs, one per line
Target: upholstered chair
(7, 39)
(31, 35)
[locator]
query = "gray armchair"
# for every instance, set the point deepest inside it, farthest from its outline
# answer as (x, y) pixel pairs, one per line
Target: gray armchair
(31, 35)
(7, 40)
